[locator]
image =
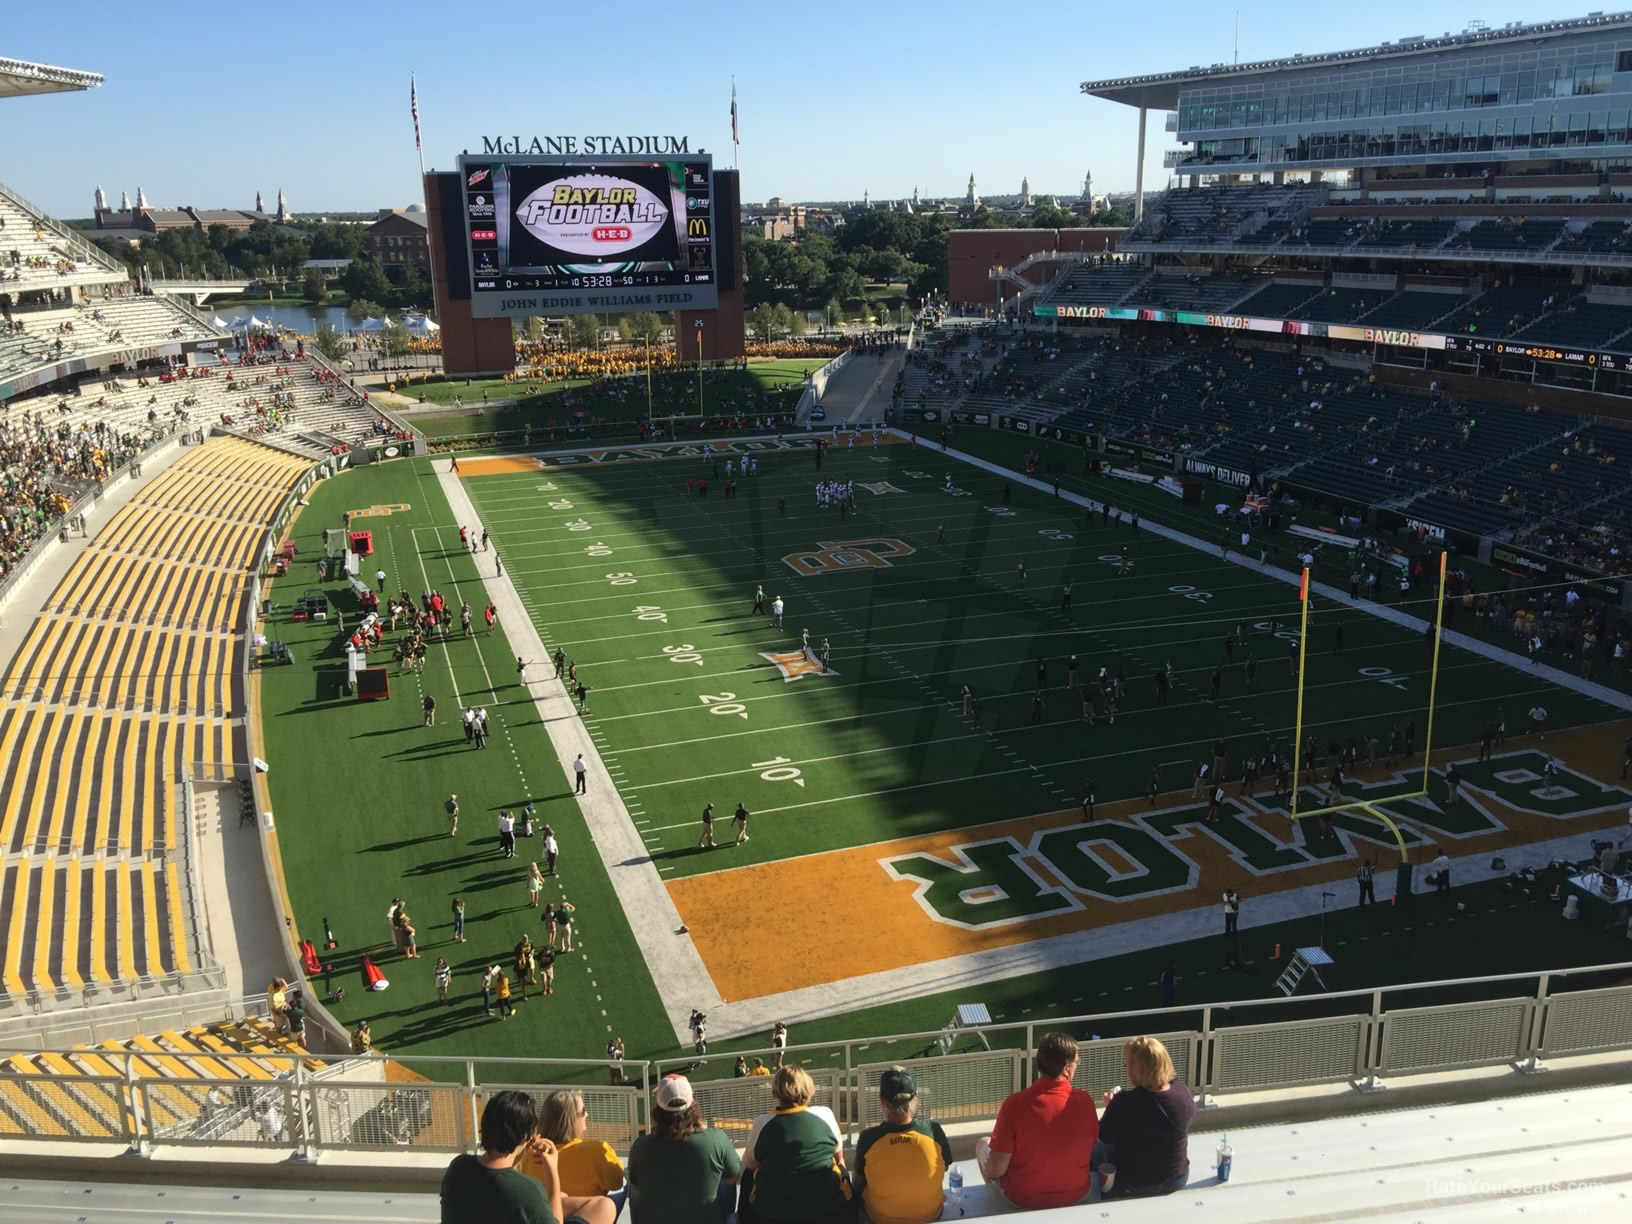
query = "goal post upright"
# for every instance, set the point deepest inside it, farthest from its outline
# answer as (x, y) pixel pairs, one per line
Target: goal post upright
(1297, 728)
(1433, 677)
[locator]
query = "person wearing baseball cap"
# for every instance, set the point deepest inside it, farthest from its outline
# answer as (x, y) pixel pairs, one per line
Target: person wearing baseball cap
(901, 1162)
(682, 1171)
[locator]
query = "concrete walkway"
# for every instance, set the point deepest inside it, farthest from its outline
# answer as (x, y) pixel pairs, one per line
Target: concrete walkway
(862, 388)
(677, 969)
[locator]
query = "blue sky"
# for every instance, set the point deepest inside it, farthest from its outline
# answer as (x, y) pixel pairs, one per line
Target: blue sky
(205, 104)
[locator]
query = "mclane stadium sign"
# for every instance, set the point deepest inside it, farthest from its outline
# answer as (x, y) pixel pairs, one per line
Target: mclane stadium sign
(584, 146)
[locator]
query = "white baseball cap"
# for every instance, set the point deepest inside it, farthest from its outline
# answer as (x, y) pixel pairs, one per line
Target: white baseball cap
(674, 1094)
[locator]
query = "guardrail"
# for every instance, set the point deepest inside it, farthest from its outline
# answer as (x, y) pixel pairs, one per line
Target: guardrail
(963, 1074)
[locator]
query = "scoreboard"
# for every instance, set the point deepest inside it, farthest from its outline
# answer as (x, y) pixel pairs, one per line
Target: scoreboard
(556, 236)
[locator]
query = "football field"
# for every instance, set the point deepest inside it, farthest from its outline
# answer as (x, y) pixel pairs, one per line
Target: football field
(896, 839)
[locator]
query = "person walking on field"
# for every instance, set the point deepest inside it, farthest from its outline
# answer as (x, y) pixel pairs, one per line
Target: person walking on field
(552, 850)
(740, 816)
(581, 771)
(563, 921)
(759, 600)
(535, 885)
(707, 839)
(451, 807)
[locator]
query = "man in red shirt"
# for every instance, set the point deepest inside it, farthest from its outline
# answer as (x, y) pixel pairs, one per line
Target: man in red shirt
(1039, 1152)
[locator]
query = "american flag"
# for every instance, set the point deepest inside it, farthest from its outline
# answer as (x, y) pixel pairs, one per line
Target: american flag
(733, 112)
(413, 106)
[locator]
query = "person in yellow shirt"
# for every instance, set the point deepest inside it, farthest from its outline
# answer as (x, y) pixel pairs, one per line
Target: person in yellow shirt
(587, 1167)
(901, 1162)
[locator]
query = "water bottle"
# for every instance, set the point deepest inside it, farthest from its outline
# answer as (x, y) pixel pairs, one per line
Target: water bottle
(954, 1188)
(1225, 1156)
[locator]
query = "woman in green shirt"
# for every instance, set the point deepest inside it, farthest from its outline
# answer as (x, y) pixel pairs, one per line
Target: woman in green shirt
(683, 1172)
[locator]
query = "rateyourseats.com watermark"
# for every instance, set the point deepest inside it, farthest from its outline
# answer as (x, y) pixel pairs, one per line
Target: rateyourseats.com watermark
(1519, 1195)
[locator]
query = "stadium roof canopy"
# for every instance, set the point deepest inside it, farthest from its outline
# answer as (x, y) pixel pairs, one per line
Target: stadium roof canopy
(1160, 91)
(18, 77)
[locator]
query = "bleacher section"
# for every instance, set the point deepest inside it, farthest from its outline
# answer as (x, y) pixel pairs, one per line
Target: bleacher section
(1411, 311)
(1538, 480)
(1579, 324)
(1501, 311)
(126, 681)
(1206, 294)
(200, 1083)
(1503, 234)
(1219, 215)
(36, 253)
(1279, 300)
(1097, 284)
(101, 325)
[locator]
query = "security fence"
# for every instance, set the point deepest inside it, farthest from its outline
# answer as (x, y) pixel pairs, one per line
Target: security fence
(150, 1097)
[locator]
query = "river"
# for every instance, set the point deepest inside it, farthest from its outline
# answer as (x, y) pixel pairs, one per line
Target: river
(303, 319)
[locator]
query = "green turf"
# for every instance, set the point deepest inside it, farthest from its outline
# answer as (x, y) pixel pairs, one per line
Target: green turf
(358, 791)
(881, 749)
(764, 386)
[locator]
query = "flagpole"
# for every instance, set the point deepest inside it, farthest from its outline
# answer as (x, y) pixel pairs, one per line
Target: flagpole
(413, 107)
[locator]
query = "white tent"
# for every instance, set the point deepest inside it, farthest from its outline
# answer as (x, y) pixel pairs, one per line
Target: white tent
(373, 325)
(422, 326)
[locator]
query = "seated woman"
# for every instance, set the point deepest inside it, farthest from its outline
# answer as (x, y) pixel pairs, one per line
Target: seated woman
(587, 1168)
(796, 1159)
(682, 1171)
(1145, 1128)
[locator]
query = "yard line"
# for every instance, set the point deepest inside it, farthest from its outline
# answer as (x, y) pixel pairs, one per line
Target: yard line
(840, 756)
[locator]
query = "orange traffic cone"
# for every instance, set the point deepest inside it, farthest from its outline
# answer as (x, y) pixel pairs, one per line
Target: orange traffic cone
(373, 979)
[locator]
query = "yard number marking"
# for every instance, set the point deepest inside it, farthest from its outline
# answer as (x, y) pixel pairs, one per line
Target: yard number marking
(777, 769)
(684, 654)
(598, 550)
(577, 524)
(651, 612)
(725, 703)
(622, 578)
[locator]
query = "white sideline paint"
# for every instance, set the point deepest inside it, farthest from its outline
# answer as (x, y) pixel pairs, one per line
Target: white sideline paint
(677, 970)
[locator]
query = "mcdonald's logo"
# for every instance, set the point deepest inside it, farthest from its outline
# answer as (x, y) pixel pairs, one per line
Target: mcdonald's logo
(696, 227)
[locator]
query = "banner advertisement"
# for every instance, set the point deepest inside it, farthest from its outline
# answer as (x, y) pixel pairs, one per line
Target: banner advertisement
(1145, 454)
(1511, 556)
(1212, 471)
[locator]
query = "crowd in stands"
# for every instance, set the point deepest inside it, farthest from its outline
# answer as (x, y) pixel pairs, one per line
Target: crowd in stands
(40, 462)
(1053, 1145)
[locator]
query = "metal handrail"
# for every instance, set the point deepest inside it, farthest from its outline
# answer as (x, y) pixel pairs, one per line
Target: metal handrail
(91, 252)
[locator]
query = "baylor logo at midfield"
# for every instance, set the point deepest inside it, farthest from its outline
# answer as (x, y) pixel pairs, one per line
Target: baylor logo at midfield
(832, 556)
(1002, 881)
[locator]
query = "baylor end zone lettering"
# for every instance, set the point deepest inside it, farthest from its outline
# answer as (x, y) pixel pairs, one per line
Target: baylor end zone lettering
(981, 884)
(1003, 881)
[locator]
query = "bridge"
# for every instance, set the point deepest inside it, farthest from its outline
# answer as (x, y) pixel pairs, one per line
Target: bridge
(199, 290)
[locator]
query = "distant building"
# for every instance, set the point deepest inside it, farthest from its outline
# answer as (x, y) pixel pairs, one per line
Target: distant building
(134, 223)
(399, 236)
(777, 219)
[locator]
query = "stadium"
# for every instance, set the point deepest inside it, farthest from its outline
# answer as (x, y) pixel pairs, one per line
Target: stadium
(1220, 641)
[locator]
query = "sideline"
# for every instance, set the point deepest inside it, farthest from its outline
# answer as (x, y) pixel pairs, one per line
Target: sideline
(678, 973)
(1545, 671)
